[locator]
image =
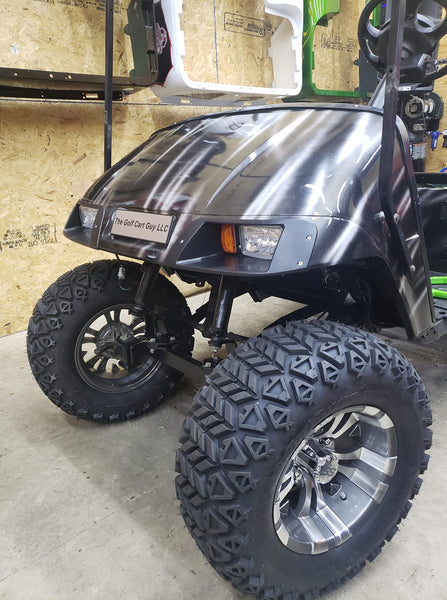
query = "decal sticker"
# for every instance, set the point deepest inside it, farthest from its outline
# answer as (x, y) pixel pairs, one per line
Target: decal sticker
(161, 38)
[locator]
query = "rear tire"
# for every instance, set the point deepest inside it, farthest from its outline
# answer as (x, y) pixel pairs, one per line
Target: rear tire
(301, 456)
(76, 350)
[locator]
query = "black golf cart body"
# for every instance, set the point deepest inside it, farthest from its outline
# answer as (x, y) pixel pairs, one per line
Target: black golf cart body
(305, 445)
(312, 170)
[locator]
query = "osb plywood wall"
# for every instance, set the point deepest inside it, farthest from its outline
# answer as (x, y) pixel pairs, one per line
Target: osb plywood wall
(228, 41)
(51, 151)
(61, 35)
(336, 48)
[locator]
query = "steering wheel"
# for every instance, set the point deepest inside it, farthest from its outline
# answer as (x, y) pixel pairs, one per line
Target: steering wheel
(420, 38)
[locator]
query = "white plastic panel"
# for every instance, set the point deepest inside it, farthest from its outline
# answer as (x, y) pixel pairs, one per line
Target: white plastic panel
(285, 53)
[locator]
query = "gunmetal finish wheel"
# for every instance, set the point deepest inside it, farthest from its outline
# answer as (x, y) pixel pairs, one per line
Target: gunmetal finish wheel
(89, 353)
(301, 456)
(348, 459)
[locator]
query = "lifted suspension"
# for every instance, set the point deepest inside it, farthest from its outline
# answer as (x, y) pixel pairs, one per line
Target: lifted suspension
(216, 314)
(147, 283)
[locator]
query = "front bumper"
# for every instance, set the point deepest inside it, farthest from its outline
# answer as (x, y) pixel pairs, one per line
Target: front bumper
(194, 244)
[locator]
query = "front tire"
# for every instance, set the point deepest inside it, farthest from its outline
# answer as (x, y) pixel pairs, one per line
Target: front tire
(301, 456)
(81, 335)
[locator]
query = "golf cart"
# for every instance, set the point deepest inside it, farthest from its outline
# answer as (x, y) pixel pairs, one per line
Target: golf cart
(305, 444)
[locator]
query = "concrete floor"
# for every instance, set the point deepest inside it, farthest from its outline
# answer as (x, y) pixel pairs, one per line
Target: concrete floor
(89, 511)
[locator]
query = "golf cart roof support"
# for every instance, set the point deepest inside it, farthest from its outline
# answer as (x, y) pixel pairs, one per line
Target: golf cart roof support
(392, 78)
(108, 87)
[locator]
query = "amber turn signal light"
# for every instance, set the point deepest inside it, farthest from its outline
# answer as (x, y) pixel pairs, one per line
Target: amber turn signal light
(228, 238)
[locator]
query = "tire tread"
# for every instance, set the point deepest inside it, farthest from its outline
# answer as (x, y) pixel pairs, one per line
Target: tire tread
(53, 317)
(309, 353)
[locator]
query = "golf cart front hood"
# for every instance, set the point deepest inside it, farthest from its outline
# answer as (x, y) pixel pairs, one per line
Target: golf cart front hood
(310, 170)
(279, 160)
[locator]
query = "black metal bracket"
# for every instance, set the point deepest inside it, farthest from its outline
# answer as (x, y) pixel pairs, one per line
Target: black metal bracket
(57, 85)
(192, 368)
(439, 327)
(392, 81)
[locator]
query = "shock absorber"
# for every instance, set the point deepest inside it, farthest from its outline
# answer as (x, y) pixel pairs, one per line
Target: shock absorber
(147, 283)
(219, 311)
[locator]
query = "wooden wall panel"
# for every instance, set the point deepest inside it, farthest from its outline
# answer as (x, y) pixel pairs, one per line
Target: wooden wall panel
(51, 152)
(336, 49)
(228, 41)
(61, 35)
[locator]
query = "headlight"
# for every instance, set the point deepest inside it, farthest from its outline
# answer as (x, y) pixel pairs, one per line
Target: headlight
(259, 242)
(87, 215)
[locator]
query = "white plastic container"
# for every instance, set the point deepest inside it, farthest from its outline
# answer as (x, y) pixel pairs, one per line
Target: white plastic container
(285, 53)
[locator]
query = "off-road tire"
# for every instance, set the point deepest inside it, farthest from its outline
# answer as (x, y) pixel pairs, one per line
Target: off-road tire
(55, 335)
(259, 404)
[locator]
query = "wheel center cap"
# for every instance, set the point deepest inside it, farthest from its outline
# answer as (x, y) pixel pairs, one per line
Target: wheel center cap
(110, 333)
(319, 460)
